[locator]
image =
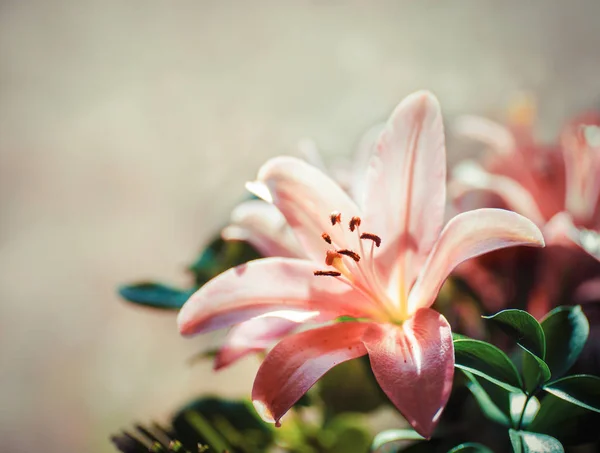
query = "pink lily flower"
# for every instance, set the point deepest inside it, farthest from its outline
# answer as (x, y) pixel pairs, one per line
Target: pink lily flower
(262, 225)
(382, 265)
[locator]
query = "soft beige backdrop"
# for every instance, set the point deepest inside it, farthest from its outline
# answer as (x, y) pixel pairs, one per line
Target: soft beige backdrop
(127, 130)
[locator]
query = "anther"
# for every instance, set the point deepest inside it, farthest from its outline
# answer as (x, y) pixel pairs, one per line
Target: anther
(354, 222)
(327, 273)
(355, 256)
(326, 238)
(331, 256)
(376, 239)
(336, 217)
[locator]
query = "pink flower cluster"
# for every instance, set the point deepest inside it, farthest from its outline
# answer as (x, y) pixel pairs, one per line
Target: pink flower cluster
(556, 186)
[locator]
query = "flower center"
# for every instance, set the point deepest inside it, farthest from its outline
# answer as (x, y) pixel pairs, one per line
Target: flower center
(356, 267)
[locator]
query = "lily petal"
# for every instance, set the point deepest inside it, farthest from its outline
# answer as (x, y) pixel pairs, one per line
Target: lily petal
(414, 365)
(251, 336)
(406, 186)
(365, 149)
(306, 197)
(262, 225)
(285, 287)
(581, 151)
(297, 362)
(561, 230)
(468, 235)
(469, 175)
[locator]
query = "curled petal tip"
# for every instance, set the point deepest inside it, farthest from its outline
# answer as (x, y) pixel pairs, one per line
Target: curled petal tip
(264, 412)
(536, 237)
(184, 323)
(422, 97)
(259, 189)
(541, 242)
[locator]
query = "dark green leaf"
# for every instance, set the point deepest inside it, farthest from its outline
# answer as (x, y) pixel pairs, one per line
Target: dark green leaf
(127, 443)
(152, 438)
(570, 424)
(523, 328)
(155, 295)
(487, 361)
(528, 442)
(394, 435)
(470, 447)
(581, 389)
(219, 256)
(566, 330)
(492, 399)
(535, 371)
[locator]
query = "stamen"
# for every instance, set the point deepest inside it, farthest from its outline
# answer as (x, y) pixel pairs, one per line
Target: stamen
(327, 273)
(376, 239)
(355, 256)
(335, 217)
(354, 222)
(326, 238)
(331, 256)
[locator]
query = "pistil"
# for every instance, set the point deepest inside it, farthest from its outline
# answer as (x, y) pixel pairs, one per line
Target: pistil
(356, 272)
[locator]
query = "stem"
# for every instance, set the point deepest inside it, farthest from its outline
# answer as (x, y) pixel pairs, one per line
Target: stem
(527, 399)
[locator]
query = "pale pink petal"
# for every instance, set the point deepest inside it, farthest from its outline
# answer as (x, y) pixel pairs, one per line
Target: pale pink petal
(414, 365)
(497, 137)
(264, 227)
(283, 287)
(468, 176)
(468, 235)
(307, 197)
(251, 336)
(297, 362)
(582, 165)
(406, 185)
(561, 230)
(362, 155)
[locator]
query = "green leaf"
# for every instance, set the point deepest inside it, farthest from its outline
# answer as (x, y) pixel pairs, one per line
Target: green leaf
(470, 447)
(566, 330)
(581, 389)
(492, 399)
(570, 424)
(359, 394)
(219, 256)
(523, 328)
(349, 435)
(487, 361)
(393, 435)
(535, 372)
(528, 442)
(459, 336)
(155, 295)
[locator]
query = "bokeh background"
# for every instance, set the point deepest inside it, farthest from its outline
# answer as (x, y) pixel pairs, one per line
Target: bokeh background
(127, 131)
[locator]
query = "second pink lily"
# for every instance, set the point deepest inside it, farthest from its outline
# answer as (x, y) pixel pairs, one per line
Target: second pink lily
(382, 264)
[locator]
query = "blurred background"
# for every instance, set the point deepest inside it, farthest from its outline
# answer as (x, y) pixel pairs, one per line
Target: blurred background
(128, 129)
